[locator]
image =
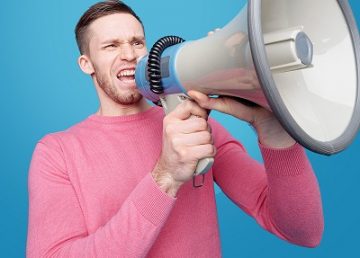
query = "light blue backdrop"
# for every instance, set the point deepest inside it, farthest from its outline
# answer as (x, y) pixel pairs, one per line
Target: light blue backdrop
(43, 90)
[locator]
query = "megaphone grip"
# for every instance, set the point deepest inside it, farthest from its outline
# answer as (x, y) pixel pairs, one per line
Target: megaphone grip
(203, 166)
(169, 103)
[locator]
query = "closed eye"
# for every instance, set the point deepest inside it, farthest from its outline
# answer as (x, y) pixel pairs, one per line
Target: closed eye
(110, 46)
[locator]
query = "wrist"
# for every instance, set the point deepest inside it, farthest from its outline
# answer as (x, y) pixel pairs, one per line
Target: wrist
(165, 181)
(272, 134)
(280, 141)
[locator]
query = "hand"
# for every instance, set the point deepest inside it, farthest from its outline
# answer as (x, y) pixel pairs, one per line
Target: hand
(186, 140)
(269, 130)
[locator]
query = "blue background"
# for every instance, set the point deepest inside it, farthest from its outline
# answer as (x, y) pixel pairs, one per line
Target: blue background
(43, 90)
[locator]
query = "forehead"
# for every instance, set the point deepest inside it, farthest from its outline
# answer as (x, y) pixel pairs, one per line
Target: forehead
(119, 25)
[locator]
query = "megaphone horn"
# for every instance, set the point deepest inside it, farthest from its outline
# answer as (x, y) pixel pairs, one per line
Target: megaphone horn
(299, 59)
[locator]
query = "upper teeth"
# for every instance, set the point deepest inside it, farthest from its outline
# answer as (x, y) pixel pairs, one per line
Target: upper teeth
(129, 72)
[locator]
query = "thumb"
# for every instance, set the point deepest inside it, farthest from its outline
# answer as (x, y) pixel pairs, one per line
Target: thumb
(205, 101)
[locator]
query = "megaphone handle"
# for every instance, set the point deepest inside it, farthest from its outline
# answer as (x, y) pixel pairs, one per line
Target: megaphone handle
(169, 103)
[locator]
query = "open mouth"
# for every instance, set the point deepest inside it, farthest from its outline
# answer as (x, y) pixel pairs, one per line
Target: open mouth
(126, 75)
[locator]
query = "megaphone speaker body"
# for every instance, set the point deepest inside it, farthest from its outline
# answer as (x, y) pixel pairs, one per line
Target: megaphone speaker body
(299, 59)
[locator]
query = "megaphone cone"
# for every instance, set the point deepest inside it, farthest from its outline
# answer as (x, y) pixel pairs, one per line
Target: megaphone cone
(299, 59)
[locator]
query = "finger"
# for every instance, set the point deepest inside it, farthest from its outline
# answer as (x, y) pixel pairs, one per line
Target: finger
(209, 129)
(187, 109)
(225, 105)
(239, 110)
(192, 125)
(201, 151)
(205, 102)
(194, 139)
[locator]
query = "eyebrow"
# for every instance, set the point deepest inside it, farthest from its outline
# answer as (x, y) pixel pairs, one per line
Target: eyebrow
(134, 38)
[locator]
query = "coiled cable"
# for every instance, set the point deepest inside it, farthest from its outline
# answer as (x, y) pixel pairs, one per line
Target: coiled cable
(154, 61)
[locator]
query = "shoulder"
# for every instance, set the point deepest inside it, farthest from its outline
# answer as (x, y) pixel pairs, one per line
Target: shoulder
(50, 151)
(47, 158)
(54, 140)
(50, 147)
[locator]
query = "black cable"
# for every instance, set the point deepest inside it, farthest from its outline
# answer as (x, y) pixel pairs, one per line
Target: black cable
(154, 61)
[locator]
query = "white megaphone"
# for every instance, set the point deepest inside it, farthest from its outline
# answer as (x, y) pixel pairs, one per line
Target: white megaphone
(299, 59)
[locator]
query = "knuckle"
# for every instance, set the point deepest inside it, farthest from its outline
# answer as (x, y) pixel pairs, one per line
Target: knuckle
(195, 108)
(214, 150)
(187, 104)
(175, 142)
(203, 125)
(182, 154)
(166, 120)
(207, 137)
(210, 149)
(169, 129)
(204, 113)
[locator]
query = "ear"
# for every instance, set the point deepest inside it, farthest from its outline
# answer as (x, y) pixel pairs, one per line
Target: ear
(86, 64)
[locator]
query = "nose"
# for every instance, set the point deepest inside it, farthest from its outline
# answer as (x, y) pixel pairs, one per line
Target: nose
(127, 52)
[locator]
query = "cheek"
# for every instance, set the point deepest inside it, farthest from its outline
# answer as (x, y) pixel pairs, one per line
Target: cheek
(141, 52)
(105, 62)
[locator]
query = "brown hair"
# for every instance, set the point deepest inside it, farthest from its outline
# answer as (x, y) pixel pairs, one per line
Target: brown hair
(97, 11)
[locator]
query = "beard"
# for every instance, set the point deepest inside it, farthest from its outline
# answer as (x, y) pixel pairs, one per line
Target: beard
(122, 97)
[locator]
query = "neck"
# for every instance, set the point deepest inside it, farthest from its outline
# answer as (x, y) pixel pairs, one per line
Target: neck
(115, 109)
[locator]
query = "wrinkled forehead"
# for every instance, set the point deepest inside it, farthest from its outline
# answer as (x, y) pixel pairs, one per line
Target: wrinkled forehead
(120, 26)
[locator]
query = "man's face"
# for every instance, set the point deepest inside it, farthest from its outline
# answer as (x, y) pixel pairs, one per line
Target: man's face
(116, 41)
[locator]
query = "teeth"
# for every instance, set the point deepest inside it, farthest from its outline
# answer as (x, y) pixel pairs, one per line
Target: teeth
(129, 72)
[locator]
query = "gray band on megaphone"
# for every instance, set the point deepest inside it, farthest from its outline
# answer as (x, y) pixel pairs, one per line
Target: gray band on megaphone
(271, 92)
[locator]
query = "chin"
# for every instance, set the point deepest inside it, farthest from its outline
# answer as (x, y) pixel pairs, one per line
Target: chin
(129, 99)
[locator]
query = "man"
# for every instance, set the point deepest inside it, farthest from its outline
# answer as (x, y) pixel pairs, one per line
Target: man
(119, 184)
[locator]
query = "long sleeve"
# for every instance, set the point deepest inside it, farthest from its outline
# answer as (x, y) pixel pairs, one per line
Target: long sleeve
(282, 195)
(57, 223)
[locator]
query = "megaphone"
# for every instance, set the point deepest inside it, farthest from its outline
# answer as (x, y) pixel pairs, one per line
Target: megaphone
(299, 59)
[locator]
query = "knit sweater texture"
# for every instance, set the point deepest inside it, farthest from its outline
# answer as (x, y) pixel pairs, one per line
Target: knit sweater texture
(91, 193)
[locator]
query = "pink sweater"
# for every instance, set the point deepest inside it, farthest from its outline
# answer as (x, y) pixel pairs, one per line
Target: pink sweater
(91, 193)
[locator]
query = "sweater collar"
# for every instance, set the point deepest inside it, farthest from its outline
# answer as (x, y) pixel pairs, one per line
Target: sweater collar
(150, 113)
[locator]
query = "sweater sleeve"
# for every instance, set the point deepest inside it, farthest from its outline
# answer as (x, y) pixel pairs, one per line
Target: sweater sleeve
(282, 195)
(57, 226)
